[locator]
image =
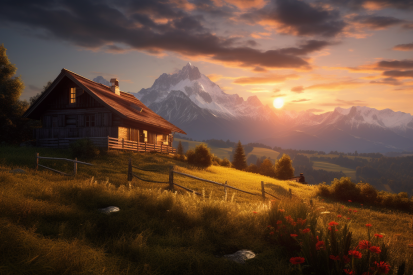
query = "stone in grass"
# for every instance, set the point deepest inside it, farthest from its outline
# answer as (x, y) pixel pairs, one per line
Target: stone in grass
(241, 256)
(18, 171)
(109, 209)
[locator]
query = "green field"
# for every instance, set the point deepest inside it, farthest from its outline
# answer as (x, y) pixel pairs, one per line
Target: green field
(261, 152)
(318, 165)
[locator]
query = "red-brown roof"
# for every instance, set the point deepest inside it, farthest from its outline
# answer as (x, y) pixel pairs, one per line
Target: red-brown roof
(122, 104)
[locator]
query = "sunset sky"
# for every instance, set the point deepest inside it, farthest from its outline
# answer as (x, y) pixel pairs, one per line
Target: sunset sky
(315, 54)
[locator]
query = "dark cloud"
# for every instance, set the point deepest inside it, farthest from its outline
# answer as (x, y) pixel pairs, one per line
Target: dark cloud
(158, 26)
(377, 22)
(259, 69)
(300, 100)
(373, 4)
(306, 47)
(396, 73)
(404, 47)
(408, 26)
(301, 18)
(387, 81)
(396, 64)
(297, 89)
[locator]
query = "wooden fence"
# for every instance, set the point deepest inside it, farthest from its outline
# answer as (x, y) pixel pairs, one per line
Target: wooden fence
(172, 183)
(115, 143)
(75, 162)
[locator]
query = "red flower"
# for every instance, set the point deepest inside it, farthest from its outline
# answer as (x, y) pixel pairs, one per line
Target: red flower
(342, 206)
(254, 212)
(348, 218)
(306, 230)
(271, 233)
(368, 225)
(332, 223)
(350, 210)
(269, 226)
(354, 211)
(279, 222)
(335, 258)
(378, 236)
(347, 271)
(339, 216)
(375, 249)
(383, 267)
(320, 245)
(293, 235)
(364, 244)
(281, 210)
(361, 204)
(355, 254)
(297, 260)
(349, 201)
(346, 259)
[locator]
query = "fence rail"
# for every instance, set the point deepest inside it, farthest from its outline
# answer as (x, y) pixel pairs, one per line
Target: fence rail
(75, 162)
(172, 182)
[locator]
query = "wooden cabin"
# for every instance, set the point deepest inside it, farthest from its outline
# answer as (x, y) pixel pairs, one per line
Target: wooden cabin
(74, 107)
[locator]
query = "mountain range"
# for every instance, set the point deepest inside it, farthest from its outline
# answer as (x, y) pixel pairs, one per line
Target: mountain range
(194, 103)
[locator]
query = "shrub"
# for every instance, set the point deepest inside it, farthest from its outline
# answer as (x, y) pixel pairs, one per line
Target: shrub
(344, 189)
(284, 168)
(323, 190)
(84, 148)
(252, 168)
(216, 160)
(201, 157)
(367, 192)
(266, 168)
(225, 162)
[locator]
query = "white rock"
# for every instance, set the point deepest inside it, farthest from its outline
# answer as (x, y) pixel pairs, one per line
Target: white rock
(109, 209)
(241, 256)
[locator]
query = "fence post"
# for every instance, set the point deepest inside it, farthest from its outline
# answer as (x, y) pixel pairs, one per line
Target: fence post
(225, 190)
(122, 142)
(171, 177)
(263, 190)
(130, 170)
(37, 161)
(75, 167)
(291, 194)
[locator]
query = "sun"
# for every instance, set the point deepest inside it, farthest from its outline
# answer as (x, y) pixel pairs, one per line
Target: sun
(278, 102)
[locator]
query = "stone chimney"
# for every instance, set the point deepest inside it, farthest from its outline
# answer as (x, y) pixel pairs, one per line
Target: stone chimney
(115, 86)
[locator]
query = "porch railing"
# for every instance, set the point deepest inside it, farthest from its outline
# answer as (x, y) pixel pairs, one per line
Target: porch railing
(122, 144)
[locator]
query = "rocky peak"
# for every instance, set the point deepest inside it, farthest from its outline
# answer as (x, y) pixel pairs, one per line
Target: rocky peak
(254, 101)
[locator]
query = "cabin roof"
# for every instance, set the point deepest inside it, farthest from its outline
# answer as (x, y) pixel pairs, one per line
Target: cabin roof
(126, 105)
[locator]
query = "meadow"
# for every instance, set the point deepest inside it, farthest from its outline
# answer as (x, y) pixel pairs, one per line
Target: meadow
(50, 224)
(334, 167)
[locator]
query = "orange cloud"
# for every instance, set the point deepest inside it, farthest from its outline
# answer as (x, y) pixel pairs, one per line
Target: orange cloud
(264, 80)
(215, 77)
(403, 47)
(374, 6)
(336, 86)
(246, 4)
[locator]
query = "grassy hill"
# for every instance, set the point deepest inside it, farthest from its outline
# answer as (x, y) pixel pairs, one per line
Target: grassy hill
(334, 167)
(50, 224)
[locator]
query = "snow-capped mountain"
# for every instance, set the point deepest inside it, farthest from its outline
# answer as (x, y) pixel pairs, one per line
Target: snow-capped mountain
(191, 101)
(101, 80)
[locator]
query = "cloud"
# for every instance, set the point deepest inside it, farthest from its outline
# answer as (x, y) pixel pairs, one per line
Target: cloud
(396, 64)
(387, 81)
(280, 95)
(401, 74)
(336, 86)
(300, 18)
(375, 22)
(157, 27)
(269, 79)
(315, 110)
(297, 89)
(403, 47)
(215, 77)
(276, 90)
(341, 103)
(374, 4)
(300, 100)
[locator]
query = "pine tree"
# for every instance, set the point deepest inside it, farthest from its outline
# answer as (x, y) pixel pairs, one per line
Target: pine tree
(239, 161)
(284, 168)
(11, 108)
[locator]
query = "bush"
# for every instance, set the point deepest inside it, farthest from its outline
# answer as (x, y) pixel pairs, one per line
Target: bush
(367, 192)
(201, 157)
(344, 189)
(225, 162)
(284, 168)
(84, 148)
(216, 160)
(252, 168)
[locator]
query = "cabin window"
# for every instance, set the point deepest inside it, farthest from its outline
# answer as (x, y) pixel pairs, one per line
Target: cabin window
(143, 136)
(72, 95)
(90, 120)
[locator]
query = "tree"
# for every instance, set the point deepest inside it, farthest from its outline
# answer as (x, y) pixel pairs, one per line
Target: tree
(180, 151)
(36, 97)
(201, 157)
(266, 168)
(11, 108)
(239, 161)
(284, 168)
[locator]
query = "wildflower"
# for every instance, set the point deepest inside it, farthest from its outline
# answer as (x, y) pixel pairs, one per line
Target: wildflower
(279, 222)
(271, 233)
(368, 225)
(355, 211)
(269, 226)
(297, 260)
(329, 228)
(301, 221)
(379, 236)
(375, 249)
(342, 206)
(332, 223)
(355, 254)
(254, 212)
(348, 218)
(361, 204)
(350, 201)
(383, 267)
(335, 258)
(350, 210)
(346, 259)
(293, 235)
(347, 271)
(320, 245)
(339, 216)
(306, 230)
(281, 210)
(364, 244)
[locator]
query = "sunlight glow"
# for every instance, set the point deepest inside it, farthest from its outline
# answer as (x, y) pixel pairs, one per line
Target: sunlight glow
(278, 102)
